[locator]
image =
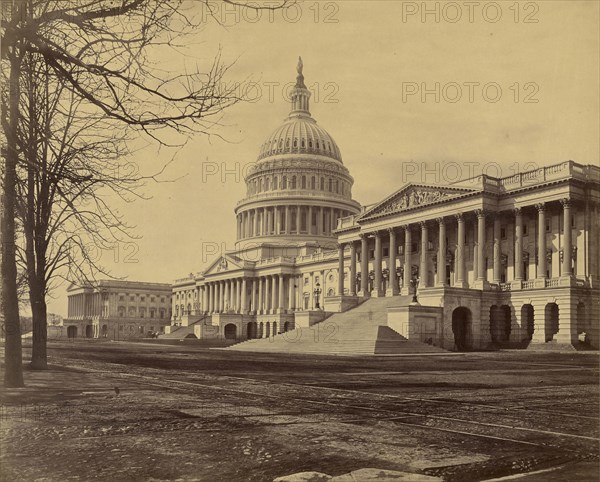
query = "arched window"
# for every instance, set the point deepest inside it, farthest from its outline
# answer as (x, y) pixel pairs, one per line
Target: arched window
(259, 185)
(293, 183)
(317, 143)
(295, 143)
(275, 182)
(312, 183)
(121, 311)
(310, 143)
(303, 182)
(287, 143)
(266, 184)
(337, 186)
(280, 143)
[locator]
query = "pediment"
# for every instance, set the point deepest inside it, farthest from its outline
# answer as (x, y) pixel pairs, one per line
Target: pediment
(415, 195)
(224, 263)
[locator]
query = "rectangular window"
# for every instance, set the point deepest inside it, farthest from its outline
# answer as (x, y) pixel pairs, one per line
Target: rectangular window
(142, 298)
(121, 298)
(572, 221)
(386, 252)
(372, 254)
(525, 229)
(503, 232)
(547, 225)
(414, 247)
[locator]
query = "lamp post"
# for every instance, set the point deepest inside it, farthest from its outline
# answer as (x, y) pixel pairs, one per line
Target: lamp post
(317, 292)
(414, 283)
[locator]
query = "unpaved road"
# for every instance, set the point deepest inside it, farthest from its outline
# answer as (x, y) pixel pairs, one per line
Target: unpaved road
(189, 413)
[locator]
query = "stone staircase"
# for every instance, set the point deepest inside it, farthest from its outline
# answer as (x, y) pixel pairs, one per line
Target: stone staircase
(362, 330)
(182, 331)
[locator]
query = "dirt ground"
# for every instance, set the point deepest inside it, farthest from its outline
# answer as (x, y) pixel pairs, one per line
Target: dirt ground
(190, 413)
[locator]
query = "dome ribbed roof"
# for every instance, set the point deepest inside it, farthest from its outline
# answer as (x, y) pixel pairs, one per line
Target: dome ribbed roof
(300, 134)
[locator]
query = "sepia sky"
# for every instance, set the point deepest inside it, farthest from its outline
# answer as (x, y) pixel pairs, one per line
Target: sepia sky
(517, 87)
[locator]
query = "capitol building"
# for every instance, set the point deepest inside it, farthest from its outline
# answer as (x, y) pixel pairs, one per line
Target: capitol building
(483, 262)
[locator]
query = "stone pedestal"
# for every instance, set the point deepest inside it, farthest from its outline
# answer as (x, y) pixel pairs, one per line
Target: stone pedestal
(338, 304)
(306, 319)
(417, 323)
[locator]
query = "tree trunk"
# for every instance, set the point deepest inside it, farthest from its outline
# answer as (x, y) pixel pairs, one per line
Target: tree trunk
(39, 357)
(13, 363)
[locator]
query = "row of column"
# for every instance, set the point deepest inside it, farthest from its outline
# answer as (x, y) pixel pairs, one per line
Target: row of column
(269, 294)
(85, 305)
(288, 220)
(479, 261)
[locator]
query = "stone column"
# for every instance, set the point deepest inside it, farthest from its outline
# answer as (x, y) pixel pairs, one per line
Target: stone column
(459, 257)
(259, 305)
(441, 278)
(481, 268)
(205, 298)
(393, 289)
(238, 226)
(341, 269)
(377, 292)
(274, 306)
(253, 296)
(267, 302)
(407, 260)
(423, 263)
(309, 220)
(298, 216)
(264, 222)
(291, 293)
(541, 267)
(226, 301)
(207, 292)
(327, 221)
(497, 258)
(353, 268)
(281, 291)
(217, 304)
(320, 221)
(364, 265)
(288, 224)
(567, 267)
(277, 220)
(256, 222)
(518, 263)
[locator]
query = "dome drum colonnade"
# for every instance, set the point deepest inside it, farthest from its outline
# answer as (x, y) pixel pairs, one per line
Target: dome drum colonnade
(298, 188)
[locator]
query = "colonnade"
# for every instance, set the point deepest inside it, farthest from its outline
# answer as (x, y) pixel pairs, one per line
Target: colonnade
(85, 305)
(288, 220)
(270, 294)
(443, 257)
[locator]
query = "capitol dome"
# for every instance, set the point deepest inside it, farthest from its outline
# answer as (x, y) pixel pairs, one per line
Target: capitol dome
(300, 134)
(298, 188)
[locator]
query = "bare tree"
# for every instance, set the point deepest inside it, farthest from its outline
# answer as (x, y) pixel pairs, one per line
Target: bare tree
(70, 161)
(99, 50)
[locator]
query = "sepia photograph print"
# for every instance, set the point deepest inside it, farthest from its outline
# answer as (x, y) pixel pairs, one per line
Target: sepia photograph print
(300, 240)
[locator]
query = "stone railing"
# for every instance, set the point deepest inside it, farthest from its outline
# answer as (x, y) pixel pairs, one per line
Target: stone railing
(527, 285)
(552, 283)
(346, 222)
(304, 194)
(550, 173)
(505, 286)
